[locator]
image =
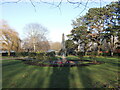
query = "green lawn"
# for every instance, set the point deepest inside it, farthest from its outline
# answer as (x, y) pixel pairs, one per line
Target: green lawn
(7, 57)
(16, 74)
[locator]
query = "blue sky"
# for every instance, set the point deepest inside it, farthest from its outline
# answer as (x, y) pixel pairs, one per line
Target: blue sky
(56, 20)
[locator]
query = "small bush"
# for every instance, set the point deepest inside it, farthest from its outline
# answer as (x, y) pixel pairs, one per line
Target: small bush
(18, 54)
(116, 54)
(50, 54)
(92, 53)
(105, 54)
(32, 54)
(80, 54)
(40, 56)
(23, 54)
(5, 54)
(45, 56)
(52, 58)
(12, 53)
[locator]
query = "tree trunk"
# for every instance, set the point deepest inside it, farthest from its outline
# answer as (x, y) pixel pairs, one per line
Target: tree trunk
(34, 48)
(112, 53)
(8, 52)
(9, 48)
(98, 50)
(85, 49)
(85, 52)
(112, 46)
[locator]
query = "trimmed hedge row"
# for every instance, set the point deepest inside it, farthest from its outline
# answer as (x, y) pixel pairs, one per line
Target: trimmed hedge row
(6, 54)
(30, 54)
(80, 54)
(21, 54)
(116, 54)
(37, 54)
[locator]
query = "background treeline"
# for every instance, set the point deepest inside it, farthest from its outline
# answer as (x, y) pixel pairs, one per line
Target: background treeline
(35, 40)
(33, 55)
(98, 32)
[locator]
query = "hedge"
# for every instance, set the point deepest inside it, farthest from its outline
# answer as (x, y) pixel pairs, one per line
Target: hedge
(21, 54)
(50, 54)
(6, 54)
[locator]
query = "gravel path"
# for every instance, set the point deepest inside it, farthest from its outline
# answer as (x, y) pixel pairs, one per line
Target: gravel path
(11, 58)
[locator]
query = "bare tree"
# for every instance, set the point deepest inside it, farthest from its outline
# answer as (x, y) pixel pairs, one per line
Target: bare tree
(55, 45)
(35, 36)
(43, 46)
(57, 3)
(9, 38)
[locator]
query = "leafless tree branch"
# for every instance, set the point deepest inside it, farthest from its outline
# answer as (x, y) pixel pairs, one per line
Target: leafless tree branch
(59, 3)
(72, 2)
(33, 5)
(41, 1)
(78, 3)
(10, 2)
(84, 7)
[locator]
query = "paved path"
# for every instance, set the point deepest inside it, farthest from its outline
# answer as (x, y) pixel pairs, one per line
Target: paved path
(10, 58)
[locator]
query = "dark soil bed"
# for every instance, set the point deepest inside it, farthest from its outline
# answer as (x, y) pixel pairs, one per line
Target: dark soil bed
(62, 65)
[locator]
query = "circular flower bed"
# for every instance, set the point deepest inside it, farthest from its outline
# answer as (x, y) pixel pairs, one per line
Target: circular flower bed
(59, 63)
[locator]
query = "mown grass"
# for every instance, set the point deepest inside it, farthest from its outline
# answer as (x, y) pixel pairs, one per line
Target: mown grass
(6, 57)
(16, 74)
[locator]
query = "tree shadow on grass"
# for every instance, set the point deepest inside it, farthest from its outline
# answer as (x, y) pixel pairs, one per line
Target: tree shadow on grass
(22, 77)
(85, 77)
(10, 63)
(59, 77)
(34, 80)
